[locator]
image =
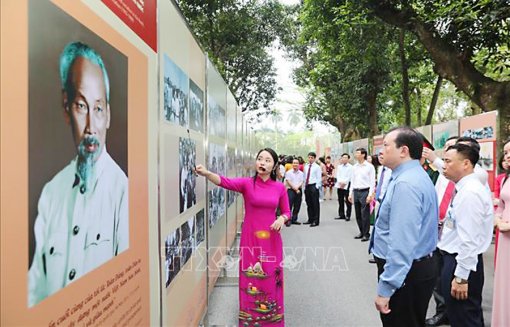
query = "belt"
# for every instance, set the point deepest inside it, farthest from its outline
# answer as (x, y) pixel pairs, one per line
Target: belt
(446, 253)
(361, 189)
(425, 257)
(311, 184)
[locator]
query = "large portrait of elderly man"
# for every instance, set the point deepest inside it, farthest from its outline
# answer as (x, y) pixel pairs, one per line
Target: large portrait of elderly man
(78, 184)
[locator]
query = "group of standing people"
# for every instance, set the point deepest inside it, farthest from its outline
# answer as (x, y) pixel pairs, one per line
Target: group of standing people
(434, 219)
(311, 179)
(432, 228)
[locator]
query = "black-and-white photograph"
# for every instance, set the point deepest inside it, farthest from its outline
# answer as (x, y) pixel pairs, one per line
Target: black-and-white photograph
(231, 156)
(216, 205)
(216, 119)
(172, 255)
(487, 155)
(196, 107)
(187, 240)
(187, 178)
(239, 164)
(231, 196)
(175, 95)
(217, 159)
(200, 227)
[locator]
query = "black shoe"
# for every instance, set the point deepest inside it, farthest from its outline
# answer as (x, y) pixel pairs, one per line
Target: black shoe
(339, 217)
(364, 239)
(372, 260)
(288, 224)
(307, 223)
(295, 223)
(358, 236)
(314, 225)
(347, 219)
(438, 320)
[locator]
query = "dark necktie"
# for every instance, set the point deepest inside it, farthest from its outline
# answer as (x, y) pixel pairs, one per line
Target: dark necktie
(308, 174)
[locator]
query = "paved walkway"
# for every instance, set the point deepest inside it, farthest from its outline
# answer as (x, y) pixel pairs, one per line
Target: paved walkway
(328, 282)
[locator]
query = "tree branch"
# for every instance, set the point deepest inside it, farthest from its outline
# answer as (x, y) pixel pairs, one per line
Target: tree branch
(449, 63)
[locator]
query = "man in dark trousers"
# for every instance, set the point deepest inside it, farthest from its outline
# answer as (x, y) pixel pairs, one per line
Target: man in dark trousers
(362, 192)
(405, 233)
(343, 182)
(313, 180)
(465, 235)
(294, 180)
(444, 190)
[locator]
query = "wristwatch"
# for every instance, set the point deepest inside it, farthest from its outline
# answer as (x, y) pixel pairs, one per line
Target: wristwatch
(459, 280)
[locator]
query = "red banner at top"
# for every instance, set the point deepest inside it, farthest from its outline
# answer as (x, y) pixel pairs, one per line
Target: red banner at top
(139, 15)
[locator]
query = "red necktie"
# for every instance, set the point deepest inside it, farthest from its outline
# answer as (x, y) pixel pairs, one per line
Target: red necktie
(445, 202)
(308, 174)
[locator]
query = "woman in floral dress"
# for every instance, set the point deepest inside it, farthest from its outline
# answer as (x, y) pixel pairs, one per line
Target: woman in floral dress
(330, 179)
(261, 248)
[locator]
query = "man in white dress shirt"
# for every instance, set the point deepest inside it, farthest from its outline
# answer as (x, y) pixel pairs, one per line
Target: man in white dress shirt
(313, 180)
(82, 219)
(343, 181)
(362, 192)
(465, 235)
(294, 181)
(444, 193)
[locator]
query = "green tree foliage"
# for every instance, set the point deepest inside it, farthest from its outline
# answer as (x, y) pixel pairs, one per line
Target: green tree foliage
(345, 65)
(467, 40)
(237, 36)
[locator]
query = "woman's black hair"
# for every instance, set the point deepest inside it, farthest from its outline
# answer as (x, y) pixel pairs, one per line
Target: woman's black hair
(375, 161)
(500, 164)
(275, 160)
(507, 172)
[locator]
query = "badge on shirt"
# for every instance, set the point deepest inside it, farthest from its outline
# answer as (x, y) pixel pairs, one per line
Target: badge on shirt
(450, 220)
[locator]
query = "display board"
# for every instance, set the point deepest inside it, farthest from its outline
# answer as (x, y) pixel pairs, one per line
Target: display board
(378, 144)
(182, 193)
(441, 133)
(239, 164)
(426, 131)
(104, 221)
(361, 143)
(480, 127)
(81, 85)
(217, 152)
(483, 129)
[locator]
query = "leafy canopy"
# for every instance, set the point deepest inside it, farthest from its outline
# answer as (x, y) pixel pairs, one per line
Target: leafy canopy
(237, 36)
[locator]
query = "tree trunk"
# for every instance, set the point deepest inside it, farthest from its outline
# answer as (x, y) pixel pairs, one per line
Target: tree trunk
(373, 129)
(405, 76)
(341, 126)
(433, 103)
(418, 108)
